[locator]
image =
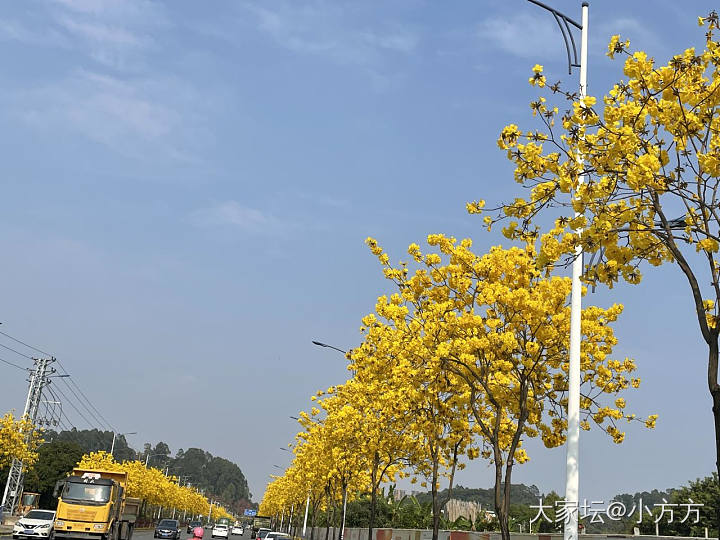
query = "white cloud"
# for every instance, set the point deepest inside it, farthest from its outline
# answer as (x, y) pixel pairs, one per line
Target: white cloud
(11, 30)
(534, 36)
(111, 32)
(639, 34)
(237, 215)
(324, 29)
(523, 35)
(134, 116)
(132, 109)
(101, 33)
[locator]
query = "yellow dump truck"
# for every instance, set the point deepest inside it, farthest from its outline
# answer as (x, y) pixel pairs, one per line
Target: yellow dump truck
(92, 505)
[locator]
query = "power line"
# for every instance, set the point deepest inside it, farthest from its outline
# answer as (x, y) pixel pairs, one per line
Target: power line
(104, 423)
(16, 352)
(62, 412)
(80, 402)
(67, 400)
(9, 363)
(86, 398)
(16, 340)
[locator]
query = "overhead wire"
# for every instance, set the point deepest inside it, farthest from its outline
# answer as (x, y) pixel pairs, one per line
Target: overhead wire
(67, 400)
(86, 403)
(62, 414)
(70, 388)
(108, 424)
(9, 363)
(16, 352)
(16, 340)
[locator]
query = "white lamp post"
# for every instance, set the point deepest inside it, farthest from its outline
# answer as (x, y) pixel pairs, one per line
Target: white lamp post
(573, 413)
(112, 447)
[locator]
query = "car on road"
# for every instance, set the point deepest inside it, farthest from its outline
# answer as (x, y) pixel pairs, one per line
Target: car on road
(35, 524)
(237, 529)
(262, 533)
(168, 528)
(192, 525)
(277, 536)
(220, 530)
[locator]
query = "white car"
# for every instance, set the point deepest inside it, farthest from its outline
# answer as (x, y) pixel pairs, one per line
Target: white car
(277, 536)
(35, 524)
(220, 530)
(237, 529)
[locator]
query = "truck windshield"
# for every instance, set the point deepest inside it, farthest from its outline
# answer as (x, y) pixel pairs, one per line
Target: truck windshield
(86, 493)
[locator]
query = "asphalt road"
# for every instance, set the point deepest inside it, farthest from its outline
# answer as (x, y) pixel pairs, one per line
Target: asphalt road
(148, 535)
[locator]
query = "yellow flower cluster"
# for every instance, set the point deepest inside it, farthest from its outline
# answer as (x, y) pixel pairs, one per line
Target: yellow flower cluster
(19, 439)
(151, 485)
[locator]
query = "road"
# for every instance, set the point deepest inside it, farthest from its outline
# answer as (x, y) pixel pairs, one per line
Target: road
(148, 535)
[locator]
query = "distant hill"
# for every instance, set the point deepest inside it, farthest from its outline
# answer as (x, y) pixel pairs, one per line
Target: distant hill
(217, 477)
(519, 494)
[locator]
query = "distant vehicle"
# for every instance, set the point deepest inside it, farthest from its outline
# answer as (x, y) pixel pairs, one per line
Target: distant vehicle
(28, 501)
(220, 530)
(262, 533)
(168, 528)
(35, 524)
(259, 522)
(237, 529)
(276, 536)
(192, 525)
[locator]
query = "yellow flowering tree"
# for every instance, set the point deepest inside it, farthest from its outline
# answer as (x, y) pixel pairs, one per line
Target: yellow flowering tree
(18, 440)
(151, 485)
(631, 180)
(499, 327)
(384, 439)
(421, 413)
(334, 428)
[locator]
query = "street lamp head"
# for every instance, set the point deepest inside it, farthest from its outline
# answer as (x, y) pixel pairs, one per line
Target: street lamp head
(321, 344)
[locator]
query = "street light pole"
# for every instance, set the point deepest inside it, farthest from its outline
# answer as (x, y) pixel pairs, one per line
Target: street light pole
(572, 479)
(307, 507)
(112, 446)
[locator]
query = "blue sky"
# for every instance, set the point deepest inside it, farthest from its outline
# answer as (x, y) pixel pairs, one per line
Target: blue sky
(187, 187)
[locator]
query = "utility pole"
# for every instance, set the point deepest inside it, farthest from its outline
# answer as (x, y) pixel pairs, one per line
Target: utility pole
(39, 377)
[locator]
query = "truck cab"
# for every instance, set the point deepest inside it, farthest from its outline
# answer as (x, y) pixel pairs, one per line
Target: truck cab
(91, 505)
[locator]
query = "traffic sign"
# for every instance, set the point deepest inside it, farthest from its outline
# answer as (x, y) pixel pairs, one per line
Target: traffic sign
(249, 512)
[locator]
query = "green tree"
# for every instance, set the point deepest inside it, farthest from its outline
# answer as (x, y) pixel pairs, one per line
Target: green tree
(704, 491)
(56, 461)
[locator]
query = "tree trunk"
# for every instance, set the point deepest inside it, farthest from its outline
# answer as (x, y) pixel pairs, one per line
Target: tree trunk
(716, 415)
(373, 495)
(313, 519)
(327, 520)
(435, 505)
(500, 506)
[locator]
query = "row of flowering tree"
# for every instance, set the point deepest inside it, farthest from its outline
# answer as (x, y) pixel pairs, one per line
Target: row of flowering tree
(468, 355)
(466, 359)
(153, 486)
